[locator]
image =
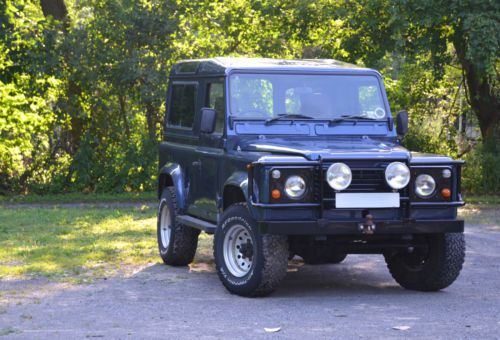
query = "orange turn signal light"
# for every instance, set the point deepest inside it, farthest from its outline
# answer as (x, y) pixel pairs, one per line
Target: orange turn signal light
(276, 194)
(446, 193)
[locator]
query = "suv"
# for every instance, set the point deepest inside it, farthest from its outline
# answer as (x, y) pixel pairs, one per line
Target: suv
(279, 158)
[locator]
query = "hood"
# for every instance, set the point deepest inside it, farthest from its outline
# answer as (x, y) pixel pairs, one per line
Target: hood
(342, 148)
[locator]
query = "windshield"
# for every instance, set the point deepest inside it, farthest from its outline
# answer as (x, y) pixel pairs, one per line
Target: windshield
(318, 96)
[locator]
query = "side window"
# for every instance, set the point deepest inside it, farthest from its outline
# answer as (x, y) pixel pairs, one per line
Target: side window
(215, 100)
(182, 107)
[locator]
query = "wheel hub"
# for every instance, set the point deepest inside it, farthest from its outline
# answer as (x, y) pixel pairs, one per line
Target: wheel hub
(238, 250)
(165, 226)
(246, 250)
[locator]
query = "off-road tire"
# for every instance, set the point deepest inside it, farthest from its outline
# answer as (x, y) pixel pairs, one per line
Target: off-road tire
(270, 255)
(183, 239)
(438, 270)
(322, 256)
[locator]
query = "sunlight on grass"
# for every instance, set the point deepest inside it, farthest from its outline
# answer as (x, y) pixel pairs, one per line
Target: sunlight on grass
(487, 216)
(75, 244)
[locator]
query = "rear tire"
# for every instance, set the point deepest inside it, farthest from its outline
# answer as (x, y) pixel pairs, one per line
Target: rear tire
(435, 269)
(248, 263)
(177, 243)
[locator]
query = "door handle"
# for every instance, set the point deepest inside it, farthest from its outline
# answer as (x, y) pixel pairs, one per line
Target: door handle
(196, 163)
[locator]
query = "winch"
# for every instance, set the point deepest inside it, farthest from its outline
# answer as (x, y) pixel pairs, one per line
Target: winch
(368, 226)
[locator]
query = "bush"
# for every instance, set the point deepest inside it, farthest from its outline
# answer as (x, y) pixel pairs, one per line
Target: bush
(480, 175)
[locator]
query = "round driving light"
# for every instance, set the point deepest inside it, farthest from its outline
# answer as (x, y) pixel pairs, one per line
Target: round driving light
(425, 185)
(446, 173)
(276, 194)
(339, 176)
(295, 187)
(397, 175)
(276, 174)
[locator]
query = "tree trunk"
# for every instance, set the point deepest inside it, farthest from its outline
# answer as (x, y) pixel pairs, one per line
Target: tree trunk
(151, 121)
(55, 8)
(481, 96)
(58, 10)
(123, 112)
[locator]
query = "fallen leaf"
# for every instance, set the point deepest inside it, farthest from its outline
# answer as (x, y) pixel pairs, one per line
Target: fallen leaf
(201, 267)
(272, 330)
(401, 328)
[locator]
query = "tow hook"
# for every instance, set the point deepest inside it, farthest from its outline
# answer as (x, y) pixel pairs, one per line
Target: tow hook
(368, 226)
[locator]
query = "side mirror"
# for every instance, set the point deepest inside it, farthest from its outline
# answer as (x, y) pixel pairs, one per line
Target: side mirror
(402, 123)
(208, 116)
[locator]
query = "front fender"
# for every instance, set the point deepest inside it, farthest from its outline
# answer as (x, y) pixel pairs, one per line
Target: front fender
(172, 175)
(240, 179)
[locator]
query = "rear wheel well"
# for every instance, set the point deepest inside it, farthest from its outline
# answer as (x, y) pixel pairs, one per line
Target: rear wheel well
(165, 180)
(232, 194)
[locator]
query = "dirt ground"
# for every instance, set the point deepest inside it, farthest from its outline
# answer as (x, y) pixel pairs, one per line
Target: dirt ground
(355, 299)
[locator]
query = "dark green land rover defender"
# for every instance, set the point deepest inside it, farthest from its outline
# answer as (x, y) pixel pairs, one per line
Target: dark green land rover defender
(279, 158)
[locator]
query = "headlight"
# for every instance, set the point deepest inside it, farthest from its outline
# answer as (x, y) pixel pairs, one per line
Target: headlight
(425, 185)
(295, 187)
(397, 175)
(339, 176)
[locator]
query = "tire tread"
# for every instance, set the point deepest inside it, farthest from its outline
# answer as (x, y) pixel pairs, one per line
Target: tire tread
(444, 270)
(185, 239)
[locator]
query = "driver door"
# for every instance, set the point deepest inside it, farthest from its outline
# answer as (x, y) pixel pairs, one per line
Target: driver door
(210, 153)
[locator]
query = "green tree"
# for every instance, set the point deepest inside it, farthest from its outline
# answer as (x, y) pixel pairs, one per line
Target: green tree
(473, 29)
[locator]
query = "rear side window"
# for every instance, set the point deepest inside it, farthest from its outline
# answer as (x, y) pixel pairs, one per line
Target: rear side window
(215, 100)
(182, 108)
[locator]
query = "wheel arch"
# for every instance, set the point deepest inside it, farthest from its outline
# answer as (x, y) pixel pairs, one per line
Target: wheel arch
(172, 175)
(235, 189)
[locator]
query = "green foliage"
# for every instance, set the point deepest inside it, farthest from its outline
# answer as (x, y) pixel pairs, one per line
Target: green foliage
(434, 105)
(77, 197)
(81, 101)
(481, 174)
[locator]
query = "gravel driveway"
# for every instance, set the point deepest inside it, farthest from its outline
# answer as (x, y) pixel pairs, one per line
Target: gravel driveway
(357, 298)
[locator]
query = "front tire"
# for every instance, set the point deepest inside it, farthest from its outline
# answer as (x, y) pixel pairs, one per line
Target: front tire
(177, 243)
(248, 263)
(431, 270)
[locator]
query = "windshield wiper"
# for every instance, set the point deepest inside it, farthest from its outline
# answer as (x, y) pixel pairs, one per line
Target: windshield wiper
(350, 118)
(287, 116)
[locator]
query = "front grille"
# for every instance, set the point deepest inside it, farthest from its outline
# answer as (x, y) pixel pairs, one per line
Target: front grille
(366, 177)
(367, 180)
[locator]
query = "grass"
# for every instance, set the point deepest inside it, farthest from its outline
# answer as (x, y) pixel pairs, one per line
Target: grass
(482, 199)
(134, 197)
(75, 243)
(80, 244)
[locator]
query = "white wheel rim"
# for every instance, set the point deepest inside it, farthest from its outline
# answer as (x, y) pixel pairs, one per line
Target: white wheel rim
(238, 250)
(165, 226)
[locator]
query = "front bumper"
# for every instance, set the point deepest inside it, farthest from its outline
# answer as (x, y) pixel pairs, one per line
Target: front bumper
(328, 227)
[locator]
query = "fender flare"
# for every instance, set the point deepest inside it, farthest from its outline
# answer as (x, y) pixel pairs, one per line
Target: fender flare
(239, 179)
(171, 174)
